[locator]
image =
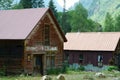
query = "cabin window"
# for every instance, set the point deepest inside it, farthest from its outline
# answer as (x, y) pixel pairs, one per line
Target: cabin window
(67, 56)
(47, 35)
(50, 61)
(81, 58)
(100, 60)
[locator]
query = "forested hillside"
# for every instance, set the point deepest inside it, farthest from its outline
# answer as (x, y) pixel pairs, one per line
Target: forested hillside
(97, 9)
(84, 16)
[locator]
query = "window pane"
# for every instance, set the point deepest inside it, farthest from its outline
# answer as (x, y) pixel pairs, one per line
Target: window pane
(47, 33)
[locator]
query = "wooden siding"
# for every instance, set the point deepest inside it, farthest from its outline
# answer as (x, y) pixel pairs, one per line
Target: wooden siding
(89, 57)
(11, 55)
(37, 37)
(117, 55)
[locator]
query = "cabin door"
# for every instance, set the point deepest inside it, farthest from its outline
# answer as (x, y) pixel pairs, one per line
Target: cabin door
(38, 63)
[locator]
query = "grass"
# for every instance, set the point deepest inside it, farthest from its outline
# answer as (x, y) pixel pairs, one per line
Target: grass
(70, 76)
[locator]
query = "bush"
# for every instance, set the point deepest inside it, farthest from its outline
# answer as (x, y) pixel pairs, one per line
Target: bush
(3, 71)
(81, 68)
(54, 71)
(64, 67)
(111, 62)
(110, 68)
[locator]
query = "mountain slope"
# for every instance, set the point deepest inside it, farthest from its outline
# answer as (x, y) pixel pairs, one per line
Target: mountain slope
(97, 9)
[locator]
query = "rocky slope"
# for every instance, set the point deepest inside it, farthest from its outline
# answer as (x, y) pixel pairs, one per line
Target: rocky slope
(97, 9)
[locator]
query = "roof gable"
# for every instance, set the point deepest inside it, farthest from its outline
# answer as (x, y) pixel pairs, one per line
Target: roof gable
(18, 24)
(92, 41)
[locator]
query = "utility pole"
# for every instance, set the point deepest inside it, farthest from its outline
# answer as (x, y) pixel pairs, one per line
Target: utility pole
(64, 16)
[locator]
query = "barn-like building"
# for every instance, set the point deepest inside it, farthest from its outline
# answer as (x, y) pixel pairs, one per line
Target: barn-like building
(30, 41)
(97, 48)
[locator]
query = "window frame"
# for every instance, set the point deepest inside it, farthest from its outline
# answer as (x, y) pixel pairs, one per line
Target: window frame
(46, 34)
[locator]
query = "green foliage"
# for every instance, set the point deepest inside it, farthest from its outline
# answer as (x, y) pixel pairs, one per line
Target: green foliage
(2, 71)
(58, 70)
(26, 3)
(65, 22)
(81, 68)
(97, 12)
(111, 62)
(53, 8)
(17, 6)
(5, 4)
(54, 71)
(73, 70)
(117, 23)
(38, 3)
(109, 23)
(112, 68)
(79, 20)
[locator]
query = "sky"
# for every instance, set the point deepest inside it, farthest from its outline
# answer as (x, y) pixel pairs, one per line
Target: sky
(69, 3)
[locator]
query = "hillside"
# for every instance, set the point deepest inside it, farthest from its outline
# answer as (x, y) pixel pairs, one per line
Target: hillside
(97, 9)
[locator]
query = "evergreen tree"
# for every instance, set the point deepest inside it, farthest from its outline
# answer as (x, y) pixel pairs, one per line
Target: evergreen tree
(53, 8)
(117, 23)
(26, 3)
(79, 18)
(108, 24)
(17, 6)
(65, 23)
(5, 4)
(38, 3)
(65, 20)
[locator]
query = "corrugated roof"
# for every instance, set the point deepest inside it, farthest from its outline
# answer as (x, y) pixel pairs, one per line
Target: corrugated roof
(17, 24)
(92, 41)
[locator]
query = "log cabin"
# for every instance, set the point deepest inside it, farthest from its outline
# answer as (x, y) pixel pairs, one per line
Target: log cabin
(31, 40)
(97, 48)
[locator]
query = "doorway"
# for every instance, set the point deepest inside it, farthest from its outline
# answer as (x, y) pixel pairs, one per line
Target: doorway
(38, 63)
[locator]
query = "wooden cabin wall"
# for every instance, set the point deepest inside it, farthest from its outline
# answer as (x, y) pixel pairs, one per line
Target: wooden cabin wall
(89, 57)
(117, 55)
(11, 55)
(37, 37)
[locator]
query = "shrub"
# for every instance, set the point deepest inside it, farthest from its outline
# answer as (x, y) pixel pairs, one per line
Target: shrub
(81, 68)
(54, 71)
(3, 71)
(64, 67)
(111, 62)
(110, 68)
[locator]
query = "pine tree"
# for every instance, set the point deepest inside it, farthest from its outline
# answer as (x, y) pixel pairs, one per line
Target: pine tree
(108, 24)
(5, 4)
(117, 23)
(53, 8)
(26, 3)
(64, 20)
(79, 20)
(38, 3)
